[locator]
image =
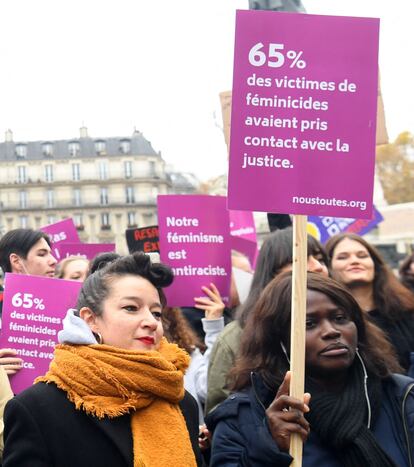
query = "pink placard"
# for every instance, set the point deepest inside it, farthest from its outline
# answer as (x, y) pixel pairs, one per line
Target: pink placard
(242, 225)
(195, 243)
(304, 114)
(33, 311)
(243, 234)
(86, 250)
(62, 231)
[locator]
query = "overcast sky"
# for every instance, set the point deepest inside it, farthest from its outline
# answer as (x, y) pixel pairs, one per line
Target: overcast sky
(158, 66)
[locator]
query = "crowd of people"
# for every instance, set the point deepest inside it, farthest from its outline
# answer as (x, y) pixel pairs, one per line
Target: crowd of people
(134, 382)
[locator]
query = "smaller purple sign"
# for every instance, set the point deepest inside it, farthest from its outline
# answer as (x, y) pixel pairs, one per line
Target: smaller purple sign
(243, 234)
(195, 242)
(62, 231)
(323, 228)
(33, 311)
(242, 225)
(86, 250)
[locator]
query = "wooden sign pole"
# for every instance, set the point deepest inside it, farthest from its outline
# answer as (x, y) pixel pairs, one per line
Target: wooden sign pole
(298, 324)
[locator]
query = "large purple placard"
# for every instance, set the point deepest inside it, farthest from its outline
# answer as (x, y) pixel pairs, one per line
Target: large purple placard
(86, 250)
(33, 311)
(304, 114)
(62, 231)
(195, 242)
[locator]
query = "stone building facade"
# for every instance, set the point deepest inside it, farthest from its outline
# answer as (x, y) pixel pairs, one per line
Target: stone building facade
(104, 184)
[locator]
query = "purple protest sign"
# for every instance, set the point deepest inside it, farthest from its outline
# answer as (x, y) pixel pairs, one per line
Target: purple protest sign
(323, 228)
(62, 231)
(195, 243)
(242, 225)
(303, 114)
(33, 311)
(243, 234)
(86, 250)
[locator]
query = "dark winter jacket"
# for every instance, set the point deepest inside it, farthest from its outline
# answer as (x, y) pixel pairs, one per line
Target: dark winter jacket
(241, 436)
(44, 429)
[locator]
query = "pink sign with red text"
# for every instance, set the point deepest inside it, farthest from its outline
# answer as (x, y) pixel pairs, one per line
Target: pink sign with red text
(195, 242)
(303, 114)
(33, 312)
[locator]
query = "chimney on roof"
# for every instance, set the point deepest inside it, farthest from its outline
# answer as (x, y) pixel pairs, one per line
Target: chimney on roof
(83, 131)
(8, 136)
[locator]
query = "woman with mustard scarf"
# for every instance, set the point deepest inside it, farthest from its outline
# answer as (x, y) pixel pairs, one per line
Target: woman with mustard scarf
(114, 393)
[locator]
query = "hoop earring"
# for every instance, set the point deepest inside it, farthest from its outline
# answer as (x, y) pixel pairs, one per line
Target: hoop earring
(98, 337)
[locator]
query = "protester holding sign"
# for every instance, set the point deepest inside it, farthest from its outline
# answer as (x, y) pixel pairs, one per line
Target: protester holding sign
(130, 388)
(73, 268)
(275, 256)
(24, 251)
(194, 315)
(355, 413)
(360, 267)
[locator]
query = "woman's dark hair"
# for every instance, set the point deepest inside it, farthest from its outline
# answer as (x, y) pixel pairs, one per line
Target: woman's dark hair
(178, 330)
(20, 242)
(97, 286)
(390, 297)
(101, 260)
(269, 325)
(406, 278)
(275, 253)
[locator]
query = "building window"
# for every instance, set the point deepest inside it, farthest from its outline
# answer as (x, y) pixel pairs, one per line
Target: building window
(104, 195)
(23, 199)
(50, 198)
(100, 147)
(47, 149)
(21, 151)
(105, 221)
(131, 219)
(76, 172)
(152, 168)
(51, 219)
(49, 173)
(74, 148)
(77, 200)
(130, 194)
(23, 222)
(21, 174)
(103, 170)
(125, 146)
(128, 169)
(78, 220)
(147, 218)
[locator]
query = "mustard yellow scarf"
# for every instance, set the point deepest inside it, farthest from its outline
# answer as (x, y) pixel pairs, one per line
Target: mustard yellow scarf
(106, 381)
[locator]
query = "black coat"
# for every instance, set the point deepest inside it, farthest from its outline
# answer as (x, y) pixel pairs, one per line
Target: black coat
(43, 429)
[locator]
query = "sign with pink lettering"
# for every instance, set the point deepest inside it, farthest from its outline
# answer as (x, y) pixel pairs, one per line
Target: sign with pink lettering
(33, 311)
(195, 242)
(62, 231)
(243, 234)
(86, 250)
(303, 114)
